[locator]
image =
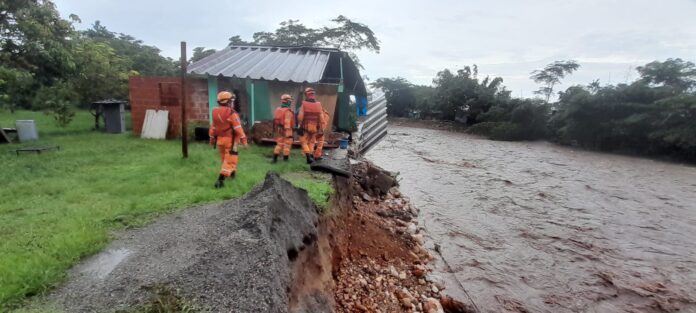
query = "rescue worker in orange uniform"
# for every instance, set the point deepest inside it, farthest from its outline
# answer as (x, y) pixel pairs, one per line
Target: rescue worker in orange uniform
(226, 132)
(283, 122)
(326, 127)
(310, 119)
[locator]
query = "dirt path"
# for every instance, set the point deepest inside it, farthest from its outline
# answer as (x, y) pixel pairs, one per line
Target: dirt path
(230, 257)
(535, 227)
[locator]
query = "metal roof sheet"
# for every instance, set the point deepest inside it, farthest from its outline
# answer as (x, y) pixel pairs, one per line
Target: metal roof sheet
(294, 64)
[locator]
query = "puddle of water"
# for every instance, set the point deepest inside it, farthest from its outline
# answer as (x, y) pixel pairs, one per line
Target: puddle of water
(544, 228)
(105, 262)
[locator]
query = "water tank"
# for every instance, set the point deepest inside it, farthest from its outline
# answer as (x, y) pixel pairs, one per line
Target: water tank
(26, 130)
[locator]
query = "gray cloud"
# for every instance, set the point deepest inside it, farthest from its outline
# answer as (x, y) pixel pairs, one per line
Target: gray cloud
(508, 38)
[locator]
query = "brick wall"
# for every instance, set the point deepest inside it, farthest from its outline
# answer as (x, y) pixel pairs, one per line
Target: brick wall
(164, 93)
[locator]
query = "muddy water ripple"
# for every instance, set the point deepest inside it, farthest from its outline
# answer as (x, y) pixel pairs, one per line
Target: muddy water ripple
(536, 227)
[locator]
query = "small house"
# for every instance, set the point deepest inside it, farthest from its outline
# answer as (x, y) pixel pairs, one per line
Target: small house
(258, 76)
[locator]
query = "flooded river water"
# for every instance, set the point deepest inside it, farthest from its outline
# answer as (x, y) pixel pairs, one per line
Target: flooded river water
(536, 227)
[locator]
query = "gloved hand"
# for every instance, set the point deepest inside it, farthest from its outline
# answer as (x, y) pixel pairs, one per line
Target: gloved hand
(300, 131)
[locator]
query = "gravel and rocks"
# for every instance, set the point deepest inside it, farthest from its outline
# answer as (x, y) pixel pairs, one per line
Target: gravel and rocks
(230, 257)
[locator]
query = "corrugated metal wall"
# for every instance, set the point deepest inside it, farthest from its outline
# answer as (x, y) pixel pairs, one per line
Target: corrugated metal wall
(372, 129)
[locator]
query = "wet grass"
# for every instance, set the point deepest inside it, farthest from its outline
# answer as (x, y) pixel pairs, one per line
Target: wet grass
(318, 186)
(58, 207)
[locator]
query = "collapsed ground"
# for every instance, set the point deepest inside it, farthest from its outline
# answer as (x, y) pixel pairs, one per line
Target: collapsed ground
(62, 206)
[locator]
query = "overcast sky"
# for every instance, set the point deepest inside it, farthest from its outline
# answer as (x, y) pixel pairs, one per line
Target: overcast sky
(507, 38)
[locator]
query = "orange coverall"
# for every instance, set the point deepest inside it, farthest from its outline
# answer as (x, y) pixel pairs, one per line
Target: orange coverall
(227, 128)
(310, 119)
(325, 127)
(283, 121)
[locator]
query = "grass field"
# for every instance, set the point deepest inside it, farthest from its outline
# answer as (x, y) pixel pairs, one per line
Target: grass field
(58, 207)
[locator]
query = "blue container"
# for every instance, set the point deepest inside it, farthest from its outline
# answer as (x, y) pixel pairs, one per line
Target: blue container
(343, 143)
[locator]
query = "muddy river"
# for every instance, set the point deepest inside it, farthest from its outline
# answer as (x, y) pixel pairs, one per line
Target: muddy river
(536, 227)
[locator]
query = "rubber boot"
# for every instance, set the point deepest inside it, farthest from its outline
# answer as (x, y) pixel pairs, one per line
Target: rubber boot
(310, 158)
(286, 158)
(220, 182)
(275, 158)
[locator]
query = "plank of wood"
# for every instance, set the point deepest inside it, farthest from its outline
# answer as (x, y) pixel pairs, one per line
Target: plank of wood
(3, 137)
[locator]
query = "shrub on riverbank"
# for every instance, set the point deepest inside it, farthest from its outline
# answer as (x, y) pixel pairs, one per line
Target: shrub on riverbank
(515, 119)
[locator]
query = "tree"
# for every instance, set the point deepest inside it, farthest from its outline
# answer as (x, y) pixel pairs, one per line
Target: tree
(399, 92)
(200, 53)
(238, 41)
(676, 74)
(347, 35)
(58, 100)
(551, 75)
(143, 59)
(14, 83)
(34, 43)
(101, 73)
(463, 93)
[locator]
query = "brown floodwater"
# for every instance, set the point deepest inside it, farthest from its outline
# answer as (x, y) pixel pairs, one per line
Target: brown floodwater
(537, 227)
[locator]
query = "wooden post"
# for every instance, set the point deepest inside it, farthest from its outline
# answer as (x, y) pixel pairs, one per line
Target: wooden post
(184, 129)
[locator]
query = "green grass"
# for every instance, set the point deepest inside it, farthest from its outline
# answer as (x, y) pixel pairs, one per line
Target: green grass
(58, 207)
(318, 186)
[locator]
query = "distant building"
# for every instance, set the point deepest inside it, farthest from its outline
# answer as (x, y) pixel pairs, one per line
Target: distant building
(258, 76)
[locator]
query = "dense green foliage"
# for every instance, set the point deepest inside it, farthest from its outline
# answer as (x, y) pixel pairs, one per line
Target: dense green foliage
(462, 93)
(635, 117)
(60, 206)
(45, 64)
(655, 115)
(401, 97)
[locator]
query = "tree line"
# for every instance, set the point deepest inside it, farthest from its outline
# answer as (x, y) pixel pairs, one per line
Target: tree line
(653, 115)
(46, 64)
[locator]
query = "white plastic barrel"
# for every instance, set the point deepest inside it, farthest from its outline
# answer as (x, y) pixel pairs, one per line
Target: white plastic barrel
(26, 130)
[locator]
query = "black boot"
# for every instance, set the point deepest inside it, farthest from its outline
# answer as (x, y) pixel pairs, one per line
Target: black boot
(310, 158)
(286, 157)
(275, 158)
(220, 182)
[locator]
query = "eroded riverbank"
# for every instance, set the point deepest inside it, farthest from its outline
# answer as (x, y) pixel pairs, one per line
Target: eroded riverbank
(535, 227)
(271, 251)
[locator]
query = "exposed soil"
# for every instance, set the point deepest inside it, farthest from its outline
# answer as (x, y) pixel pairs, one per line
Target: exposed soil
(379, 264)
(271, 251)
(231, 257)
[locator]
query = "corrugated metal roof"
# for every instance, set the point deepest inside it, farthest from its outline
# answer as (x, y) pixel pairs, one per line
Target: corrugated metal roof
(295, 64)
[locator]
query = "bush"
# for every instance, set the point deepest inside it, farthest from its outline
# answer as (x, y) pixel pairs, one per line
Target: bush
(62, 112)
(635, 118)
(508, 131)
(59, 101)
(482, 129)
(516, 119)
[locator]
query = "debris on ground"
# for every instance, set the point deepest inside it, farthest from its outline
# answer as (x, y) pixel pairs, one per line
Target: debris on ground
(380, 264)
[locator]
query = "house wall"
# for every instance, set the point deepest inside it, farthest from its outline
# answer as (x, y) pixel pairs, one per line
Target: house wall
(164, 93)
(326, 94)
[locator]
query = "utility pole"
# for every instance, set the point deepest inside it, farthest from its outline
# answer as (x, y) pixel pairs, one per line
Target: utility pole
(184, 129)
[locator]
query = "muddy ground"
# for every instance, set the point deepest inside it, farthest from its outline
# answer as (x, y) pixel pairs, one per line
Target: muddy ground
(379, 263)
(271, 251)
(229, 257)
(537, 227)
